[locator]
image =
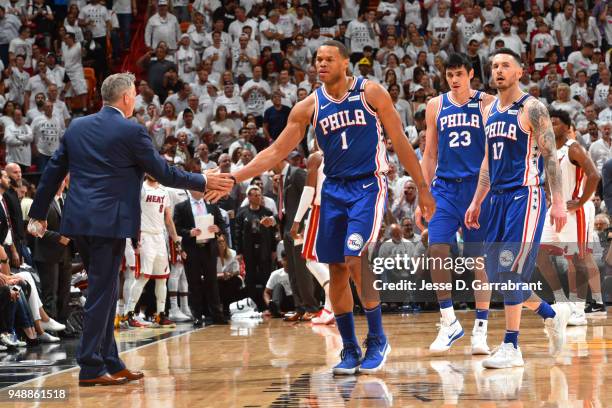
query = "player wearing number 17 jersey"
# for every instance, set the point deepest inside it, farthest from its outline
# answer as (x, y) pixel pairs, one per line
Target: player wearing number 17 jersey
(453, 154)
(520, 147)
(348, 115)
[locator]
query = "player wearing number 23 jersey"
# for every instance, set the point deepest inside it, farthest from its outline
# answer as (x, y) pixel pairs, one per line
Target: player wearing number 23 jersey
(461, 148)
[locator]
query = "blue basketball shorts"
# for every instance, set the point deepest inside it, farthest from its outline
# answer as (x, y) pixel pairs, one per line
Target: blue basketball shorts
(515, 227)
(453, 198)
(351, 215)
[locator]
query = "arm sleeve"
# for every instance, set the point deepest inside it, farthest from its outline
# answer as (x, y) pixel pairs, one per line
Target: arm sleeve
(305, 201)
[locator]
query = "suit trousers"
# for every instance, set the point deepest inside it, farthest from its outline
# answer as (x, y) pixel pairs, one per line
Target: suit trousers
(301, 279)
(200, 262)
(55, 285)
(97, 353)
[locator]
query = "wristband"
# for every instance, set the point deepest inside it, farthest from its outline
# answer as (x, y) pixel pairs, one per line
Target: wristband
(4, 261)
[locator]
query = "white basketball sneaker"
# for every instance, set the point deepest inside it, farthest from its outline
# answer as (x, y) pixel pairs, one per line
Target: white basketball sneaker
(479, 338)
(555, 327)
(177, 316)
(505, 356)
(325, 317)
(577, 316)
(448, 334)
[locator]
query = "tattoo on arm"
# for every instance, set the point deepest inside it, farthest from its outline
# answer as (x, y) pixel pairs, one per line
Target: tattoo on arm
(545, 138)
(483, 179)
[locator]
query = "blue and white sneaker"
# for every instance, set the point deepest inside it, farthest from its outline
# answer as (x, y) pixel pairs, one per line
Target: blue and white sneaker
(448, 334)
(350, 359)
(377, 350)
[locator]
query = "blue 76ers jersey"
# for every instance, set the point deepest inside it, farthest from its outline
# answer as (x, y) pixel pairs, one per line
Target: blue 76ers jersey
(514, 157)
(349, 133)
(461, 137)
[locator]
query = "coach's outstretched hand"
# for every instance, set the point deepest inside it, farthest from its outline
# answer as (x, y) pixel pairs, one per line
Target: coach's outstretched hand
(218, 184)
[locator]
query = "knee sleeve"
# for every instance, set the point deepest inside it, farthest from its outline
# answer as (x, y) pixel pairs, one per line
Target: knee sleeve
(175, 274)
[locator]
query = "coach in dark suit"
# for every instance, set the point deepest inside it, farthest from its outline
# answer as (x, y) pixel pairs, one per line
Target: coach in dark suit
(201, 257)
(53, 257)
(106, 155)
(291, 181)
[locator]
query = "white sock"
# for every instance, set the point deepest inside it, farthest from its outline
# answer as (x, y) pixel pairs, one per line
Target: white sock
(160, 294)
(597, 298)
(184, 303)
(480, 324)
(448, 314)
(573, 297)
(120, 306)
(173, 302)
(559, 296)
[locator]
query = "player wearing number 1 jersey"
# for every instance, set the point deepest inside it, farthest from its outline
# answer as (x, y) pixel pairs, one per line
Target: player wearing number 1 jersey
(454, 150)
(348, 115)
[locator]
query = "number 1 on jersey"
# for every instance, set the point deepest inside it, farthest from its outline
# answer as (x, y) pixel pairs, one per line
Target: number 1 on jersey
(344, 143)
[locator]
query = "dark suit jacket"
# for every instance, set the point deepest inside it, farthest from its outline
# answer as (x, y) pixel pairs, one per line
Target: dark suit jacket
(14, 207)
(48, 248)
(184, 222)
(292, 192)
(4, 224)
(106, 156)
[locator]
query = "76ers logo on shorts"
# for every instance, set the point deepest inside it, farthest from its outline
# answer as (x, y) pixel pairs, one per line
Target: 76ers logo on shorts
(506, 257)
(354, 242)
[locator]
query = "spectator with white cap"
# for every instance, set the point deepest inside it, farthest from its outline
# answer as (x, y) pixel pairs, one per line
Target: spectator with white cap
(162, 26)
(187, 59)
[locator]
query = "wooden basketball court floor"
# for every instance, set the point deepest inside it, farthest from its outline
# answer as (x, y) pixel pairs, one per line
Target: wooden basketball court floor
(271, 363)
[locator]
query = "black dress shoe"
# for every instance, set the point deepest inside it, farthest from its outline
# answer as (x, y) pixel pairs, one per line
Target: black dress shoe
(197, 323)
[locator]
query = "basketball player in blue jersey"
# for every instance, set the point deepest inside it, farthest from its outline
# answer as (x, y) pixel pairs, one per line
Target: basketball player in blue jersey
(348, 115)
(454, 150)
(520, 148)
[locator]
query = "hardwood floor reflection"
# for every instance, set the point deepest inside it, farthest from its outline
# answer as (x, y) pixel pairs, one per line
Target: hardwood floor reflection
(272, 363)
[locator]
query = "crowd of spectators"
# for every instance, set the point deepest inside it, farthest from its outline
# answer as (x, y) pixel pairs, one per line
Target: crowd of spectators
(218, 81)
